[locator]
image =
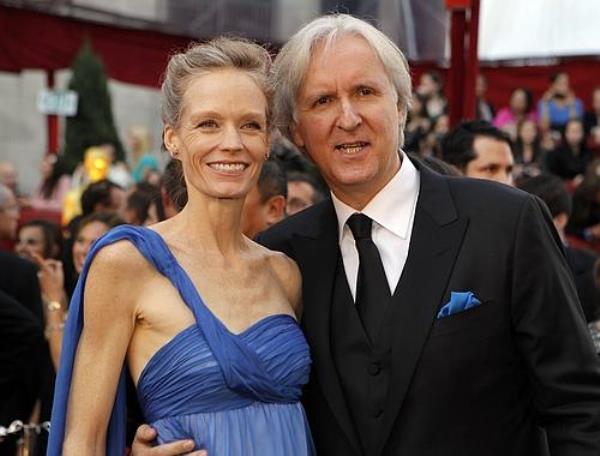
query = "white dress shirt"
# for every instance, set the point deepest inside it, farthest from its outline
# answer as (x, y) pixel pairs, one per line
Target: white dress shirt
(393, 213)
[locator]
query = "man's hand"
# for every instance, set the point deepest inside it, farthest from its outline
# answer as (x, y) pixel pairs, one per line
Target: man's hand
(145, 435)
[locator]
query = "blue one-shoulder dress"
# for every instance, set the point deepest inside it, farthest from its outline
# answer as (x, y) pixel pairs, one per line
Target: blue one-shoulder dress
(233, 394)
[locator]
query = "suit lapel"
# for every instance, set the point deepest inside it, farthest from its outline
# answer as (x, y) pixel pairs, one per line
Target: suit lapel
(436, 239)
(317, 253)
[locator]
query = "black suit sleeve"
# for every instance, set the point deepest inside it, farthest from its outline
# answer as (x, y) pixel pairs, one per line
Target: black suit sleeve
(21, 341)
(552, 337)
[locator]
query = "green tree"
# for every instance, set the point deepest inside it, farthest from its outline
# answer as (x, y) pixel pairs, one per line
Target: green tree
(94, 124)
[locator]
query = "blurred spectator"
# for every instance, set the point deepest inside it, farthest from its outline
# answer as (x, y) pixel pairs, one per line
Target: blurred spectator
(41, 241)
(519, 109)
(430, 146)
(8, 176)
(485, 110)
(571, 158)
(440, 166)
(302, 192)
(431, 88)
(591, 123)
(172, 188)
(559, 104)
(265, 203)
(102, 196)
(581, 262)
(118, 172)
(39, 237)
(56, 182)
(145, 165)
(418, 123)
(20, 304)
(585, 218)
(144, 205)
(9, 216)
(528, 152)
(480, 150)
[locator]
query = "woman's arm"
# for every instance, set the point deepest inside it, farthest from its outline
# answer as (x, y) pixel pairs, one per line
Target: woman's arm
(109, 321)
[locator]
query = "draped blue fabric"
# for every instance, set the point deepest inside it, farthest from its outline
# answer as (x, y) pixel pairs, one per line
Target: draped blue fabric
(231, 393)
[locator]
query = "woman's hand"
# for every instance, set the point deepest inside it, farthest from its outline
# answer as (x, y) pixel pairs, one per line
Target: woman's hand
(145, 435)
(52, 278)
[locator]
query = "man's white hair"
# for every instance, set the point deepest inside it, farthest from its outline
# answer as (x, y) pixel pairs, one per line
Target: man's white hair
(291, 64)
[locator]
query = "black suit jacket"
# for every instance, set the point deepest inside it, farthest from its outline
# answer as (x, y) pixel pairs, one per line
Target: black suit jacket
(481, 382)
(21, 342)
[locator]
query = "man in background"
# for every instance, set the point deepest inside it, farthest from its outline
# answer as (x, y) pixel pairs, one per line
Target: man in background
(480, 150)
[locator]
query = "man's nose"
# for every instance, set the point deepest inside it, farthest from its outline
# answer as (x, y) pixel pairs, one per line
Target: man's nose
(349, 118)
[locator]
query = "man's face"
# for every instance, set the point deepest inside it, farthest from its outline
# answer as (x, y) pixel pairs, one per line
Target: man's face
(8, 175)
(300, 196)
(348, 120)
(253, 216)
(9, 217)
(494, 161)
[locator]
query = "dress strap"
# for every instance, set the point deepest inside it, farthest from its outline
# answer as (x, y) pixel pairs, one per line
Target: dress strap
(242, 369)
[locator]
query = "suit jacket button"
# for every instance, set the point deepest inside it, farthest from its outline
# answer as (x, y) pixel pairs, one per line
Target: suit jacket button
(374, 368)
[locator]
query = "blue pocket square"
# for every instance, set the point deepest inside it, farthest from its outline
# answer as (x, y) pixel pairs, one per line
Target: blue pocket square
(459, 302)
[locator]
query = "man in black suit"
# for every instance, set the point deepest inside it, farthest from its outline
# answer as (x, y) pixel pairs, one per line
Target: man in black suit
(440, 312)
(21, 337)
(395, 377)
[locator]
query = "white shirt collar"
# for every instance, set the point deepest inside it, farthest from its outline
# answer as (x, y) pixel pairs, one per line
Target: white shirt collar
(392, 207)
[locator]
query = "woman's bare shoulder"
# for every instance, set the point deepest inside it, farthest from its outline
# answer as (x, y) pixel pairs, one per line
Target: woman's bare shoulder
(119, 265)
(288, 275)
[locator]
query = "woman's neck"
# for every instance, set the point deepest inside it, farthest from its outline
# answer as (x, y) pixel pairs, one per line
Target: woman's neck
(210, 224)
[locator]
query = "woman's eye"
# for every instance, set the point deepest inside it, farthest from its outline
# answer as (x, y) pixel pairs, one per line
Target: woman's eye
(208, 124)
(365, 91)
(252, 126)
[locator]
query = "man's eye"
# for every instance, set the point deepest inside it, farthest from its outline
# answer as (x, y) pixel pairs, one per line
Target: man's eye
(365, 91)
(323, 100)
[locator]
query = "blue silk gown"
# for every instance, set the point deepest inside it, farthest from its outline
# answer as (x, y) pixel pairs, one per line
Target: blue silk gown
(233, 394)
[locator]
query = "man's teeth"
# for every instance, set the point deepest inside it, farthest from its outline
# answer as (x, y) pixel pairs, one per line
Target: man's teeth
(228, 166)
(351, 148)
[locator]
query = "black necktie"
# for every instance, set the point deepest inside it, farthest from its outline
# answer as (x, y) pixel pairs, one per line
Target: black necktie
(372, 289)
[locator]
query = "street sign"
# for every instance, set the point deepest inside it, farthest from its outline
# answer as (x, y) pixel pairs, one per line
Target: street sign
(58, 102)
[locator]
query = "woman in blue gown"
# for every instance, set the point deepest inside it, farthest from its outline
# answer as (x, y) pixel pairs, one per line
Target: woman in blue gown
(205, 318)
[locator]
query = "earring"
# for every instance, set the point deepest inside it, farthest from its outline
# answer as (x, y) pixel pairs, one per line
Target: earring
(267, 156)
(175, 153)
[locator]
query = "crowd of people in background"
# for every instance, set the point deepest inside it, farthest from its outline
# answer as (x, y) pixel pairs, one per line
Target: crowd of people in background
(548, 147)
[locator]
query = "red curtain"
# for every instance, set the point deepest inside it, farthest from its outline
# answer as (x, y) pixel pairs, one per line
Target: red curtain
(31, 40)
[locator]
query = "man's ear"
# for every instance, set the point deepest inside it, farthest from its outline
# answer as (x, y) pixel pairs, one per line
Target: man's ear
(296, 137)
(275, 209)
(560, 221)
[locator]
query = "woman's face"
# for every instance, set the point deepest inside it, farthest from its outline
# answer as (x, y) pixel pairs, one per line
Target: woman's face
(86, 236)
(222, 138)
(518, 101)
(30, 240)
(528, 132)
(574, 133)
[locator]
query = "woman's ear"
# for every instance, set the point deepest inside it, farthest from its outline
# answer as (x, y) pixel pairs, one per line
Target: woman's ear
(171, 141)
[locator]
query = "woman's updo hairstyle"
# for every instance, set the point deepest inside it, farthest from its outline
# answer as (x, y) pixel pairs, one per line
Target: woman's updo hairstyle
(201, 58)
